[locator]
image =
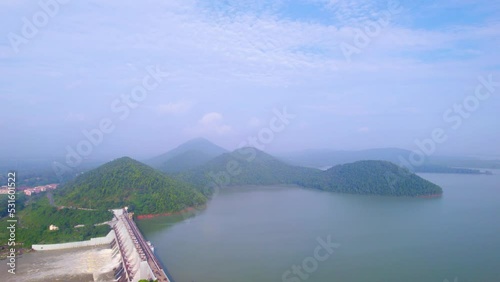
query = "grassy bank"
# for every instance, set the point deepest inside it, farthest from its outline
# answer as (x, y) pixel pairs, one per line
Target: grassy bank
(34, 221)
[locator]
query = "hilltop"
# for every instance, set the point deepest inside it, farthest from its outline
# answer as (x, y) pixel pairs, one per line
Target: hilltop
(127, 182)
(246, 166)
(186, 156)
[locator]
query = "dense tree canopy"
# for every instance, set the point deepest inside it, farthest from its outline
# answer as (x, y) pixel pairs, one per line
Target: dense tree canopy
(35, 219)
(376, 177)
(125, 182)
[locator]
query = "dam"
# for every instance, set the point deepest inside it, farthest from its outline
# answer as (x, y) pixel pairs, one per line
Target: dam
(138, 259)
(132, 257)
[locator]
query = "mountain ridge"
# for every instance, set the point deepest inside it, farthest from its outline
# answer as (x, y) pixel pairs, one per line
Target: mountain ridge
(249, 166)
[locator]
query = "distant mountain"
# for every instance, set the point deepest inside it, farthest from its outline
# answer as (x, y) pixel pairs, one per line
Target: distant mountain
(433, 168)
(246, 166)
(435, 164)
(185, 161)
(41, 172)
(189, 155)
(127, 182)
(327, 158)
(249, 166)
(464, 162)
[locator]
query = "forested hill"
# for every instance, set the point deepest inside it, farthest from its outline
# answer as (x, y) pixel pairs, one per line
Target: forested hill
(249, 166)
(374, 177)
(127, 182)
(246, 166)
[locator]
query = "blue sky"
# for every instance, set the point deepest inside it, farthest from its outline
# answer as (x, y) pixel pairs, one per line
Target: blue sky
(230, 63)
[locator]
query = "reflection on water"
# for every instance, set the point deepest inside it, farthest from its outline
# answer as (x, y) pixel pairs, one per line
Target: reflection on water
(73, 265)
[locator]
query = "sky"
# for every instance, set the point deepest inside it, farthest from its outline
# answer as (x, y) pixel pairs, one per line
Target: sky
(141, 77)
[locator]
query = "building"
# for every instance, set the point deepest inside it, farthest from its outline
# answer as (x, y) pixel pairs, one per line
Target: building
(35, 190)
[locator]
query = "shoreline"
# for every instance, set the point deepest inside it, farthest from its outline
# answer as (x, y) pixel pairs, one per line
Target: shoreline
(153, 215)
(432, 196)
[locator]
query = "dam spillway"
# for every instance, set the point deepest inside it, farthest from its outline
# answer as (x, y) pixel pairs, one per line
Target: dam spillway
(132, 257)
(138, 259)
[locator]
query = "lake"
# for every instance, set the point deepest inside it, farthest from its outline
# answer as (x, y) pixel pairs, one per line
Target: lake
(279, 233)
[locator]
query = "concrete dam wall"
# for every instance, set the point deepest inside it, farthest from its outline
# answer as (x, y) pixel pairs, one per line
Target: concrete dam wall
(89, 243)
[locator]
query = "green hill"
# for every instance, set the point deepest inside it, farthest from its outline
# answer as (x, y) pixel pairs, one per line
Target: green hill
(127, 182)
(189, 155)
(249, 166)
(376, 177)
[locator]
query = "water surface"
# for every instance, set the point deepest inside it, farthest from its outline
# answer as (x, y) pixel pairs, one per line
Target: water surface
(258, 233)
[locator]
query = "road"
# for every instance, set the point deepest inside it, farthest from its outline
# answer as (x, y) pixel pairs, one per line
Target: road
(153, 262)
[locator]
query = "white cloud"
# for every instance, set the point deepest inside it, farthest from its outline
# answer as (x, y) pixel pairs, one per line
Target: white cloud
(75, 117)
(250, 48)
(363, 129)
(212, 122)
(14, 3)
(254, 122)
(303, 125)
(211, 118)
(174, 107)
(351, 12)
(74, 84)
(242, 59)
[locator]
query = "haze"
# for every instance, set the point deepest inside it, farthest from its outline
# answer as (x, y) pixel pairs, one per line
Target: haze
(232, 65)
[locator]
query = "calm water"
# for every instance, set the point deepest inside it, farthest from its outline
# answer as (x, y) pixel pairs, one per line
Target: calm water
(258, 233)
